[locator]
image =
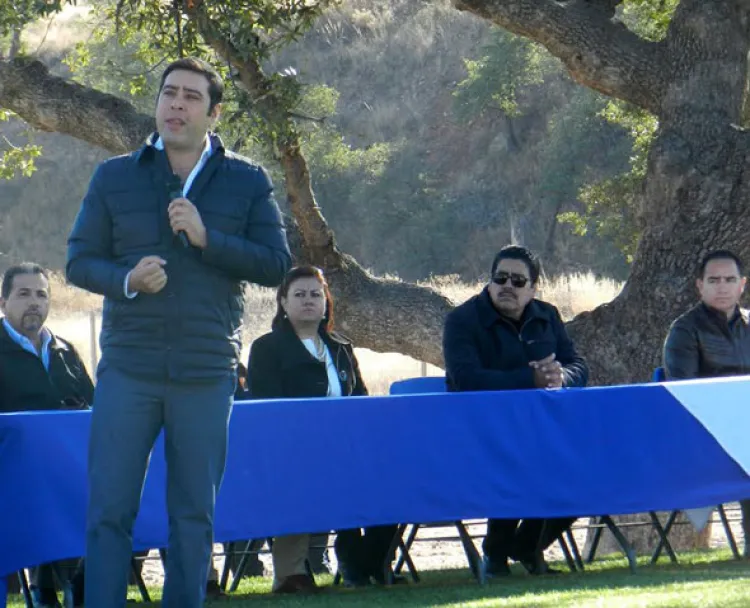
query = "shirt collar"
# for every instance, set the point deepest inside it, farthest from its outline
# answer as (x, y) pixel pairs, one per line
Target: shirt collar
(21, 340)
(159, 145)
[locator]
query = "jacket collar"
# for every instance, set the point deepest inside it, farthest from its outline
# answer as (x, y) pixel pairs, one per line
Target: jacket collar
(741, 314)
(488, 315)
(294, 347)
(7, 342)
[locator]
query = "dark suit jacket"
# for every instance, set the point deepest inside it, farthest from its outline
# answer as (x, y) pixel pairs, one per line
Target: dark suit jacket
(484, 351)
(281, 367)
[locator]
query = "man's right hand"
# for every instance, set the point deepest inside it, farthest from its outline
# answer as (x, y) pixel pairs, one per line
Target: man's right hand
(148, 275)
(547, 372)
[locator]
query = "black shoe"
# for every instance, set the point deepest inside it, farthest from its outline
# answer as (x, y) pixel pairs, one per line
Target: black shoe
(214, 591)
(496, 567)
(379, 578)
(351, 577)
(538, 567)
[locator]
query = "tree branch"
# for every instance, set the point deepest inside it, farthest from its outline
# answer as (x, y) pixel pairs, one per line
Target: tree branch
(53, 104)
(319, 244)
(598, 52)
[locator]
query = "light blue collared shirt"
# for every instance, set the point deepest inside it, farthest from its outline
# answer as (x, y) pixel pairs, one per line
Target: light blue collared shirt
(205, 155)
(27, 345)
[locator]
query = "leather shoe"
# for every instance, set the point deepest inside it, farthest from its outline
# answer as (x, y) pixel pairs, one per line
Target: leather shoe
(538, 568)
(495, 567)
(394, 579)
(214, 591)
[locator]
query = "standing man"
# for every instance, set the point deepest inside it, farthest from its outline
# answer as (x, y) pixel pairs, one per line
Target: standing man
(169, 235)
(713, 338)
(505, 339)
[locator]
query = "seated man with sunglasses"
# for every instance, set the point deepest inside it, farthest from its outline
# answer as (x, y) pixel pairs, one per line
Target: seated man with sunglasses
(505, 339)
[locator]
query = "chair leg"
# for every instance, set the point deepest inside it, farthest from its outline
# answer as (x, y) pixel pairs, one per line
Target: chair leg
(229, 550)
(574, 547)
(622, 541)
(595, 541)
(25, 591)
(142, 589)
(62, 583)
(566, 552)
(663, 536)
(240, 569)
(406, 548)
(728, 532)
(472, 555)
(394, 544)
(409, 563)
(538, 553)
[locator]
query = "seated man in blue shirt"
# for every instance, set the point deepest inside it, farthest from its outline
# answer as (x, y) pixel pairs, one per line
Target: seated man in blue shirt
(506, 339)
(38, 371)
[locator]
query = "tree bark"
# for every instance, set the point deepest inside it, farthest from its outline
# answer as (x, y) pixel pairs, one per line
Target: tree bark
(57, 105)
(15, 42)
(598, 52)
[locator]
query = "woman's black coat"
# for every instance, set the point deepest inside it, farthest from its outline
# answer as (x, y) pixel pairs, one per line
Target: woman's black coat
(281, 367)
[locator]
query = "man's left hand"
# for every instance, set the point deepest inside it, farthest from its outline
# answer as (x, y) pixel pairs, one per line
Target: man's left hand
(184, 216)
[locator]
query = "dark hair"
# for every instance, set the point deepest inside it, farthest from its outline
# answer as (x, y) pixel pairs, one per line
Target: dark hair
(719, 254)
(303, 272)
(14, 271)
(193, 64)
(516, 252)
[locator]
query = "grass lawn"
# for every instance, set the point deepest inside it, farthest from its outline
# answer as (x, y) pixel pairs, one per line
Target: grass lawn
(705, 579)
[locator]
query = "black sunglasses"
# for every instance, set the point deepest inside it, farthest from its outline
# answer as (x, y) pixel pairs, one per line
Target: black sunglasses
(517, 280)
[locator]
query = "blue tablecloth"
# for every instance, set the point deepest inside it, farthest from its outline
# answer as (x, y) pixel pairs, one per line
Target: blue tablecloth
(309, 465)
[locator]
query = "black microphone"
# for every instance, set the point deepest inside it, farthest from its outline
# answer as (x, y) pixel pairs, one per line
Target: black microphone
(175, 191)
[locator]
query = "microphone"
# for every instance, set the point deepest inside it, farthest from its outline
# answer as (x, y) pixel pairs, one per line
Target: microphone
(175, 191)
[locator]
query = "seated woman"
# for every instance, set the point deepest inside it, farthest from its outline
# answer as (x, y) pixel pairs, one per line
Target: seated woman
(303, 357)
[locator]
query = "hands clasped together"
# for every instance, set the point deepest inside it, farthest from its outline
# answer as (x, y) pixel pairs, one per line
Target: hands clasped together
(149, 274)
(548, 373)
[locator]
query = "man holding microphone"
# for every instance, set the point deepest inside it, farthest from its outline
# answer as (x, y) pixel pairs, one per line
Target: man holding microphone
(169, 234)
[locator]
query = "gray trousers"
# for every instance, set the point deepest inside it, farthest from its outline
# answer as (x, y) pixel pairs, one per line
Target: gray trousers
(127, 416)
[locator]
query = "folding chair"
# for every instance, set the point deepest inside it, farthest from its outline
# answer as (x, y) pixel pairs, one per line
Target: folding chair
(567, 543)
(137, 575)
(397, 543)
(251, 546)
(436, 384)
(24, 585)
(419, 385)
(660, 375)
(61, 583)
(422, 385)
